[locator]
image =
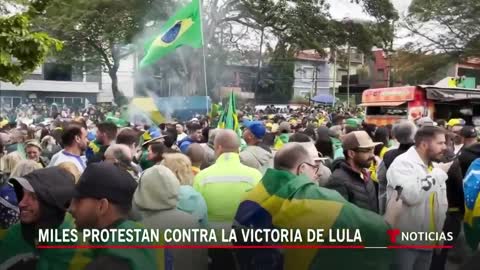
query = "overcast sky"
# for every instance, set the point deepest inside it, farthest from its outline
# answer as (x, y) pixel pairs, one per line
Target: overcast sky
(344, 8)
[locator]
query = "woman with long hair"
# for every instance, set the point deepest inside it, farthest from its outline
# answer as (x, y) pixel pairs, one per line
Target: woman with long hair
(189, 200)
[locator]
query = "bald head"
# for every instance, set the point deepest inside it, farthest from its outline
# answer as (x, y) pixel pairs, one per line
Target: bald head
(290, 157)
(226, 141)
(196, 153)
(118, 153)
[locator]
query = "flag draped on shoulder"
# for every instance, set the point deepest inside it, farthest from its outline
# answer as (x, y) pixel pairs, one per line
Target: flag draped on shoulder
(471, 187)
(228, 118)
(283, 200)
(184, 28)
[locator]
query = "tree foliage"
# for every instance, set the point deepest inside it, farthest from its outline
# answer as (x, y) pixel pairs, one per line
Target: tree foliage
(99, 32)
(418, 68)
(233, 29)
(21, 48)
(446, 26)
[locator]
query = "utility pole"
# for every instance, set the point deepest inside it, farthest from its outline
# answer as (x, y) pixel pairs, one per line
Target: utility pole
(334, 77)
(316, 80)
(348, 74)
(259, 63)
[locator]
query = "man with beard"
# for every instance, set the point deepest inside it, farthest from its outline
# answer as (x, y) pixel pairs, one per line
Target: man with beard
(75, 142)
(194, 136)
(350, 176)
(106, 204)
(43, 197)
(424, 194)
(106, 133)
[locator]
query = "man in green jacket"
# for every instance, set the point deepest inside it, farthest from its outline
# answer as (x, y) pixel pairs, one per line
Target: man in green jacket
(43, 196)
(102, 200)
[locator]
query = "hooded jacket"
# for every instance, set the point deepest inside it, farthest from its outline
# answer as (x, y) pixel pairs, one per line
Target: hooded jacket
(353, 186)
(467, 156)
(424, 193)
(54, 190)
(258, 157)
(156, 199)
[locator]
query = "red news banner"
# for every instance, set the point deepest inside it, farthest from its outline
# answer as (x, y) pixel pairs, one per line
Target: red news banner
(231, 239)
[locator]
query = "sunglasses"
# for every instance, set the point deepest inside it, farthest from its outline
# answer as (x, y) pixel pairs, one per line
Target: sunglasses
(364, 150)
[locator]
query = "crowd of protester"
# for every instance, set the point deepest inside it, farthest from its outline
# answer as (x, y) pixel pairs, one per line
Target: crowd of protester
(331, 169)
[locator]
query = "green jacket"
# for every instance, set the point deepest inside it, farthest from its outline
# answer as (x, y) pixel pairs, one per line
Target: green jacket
(14, 249)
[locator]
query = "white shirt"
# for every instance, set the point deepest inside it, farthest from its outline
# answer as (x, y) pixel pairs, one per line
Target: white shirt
(181, 136)
(63, 156)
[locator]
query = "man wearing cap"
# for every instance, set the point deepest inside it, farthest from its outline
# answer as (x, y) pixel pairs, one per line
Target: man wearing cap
(256, 155)
(43, 196)
(33, 151)
(469, 135)
(350, 176)
(106, 204)
(471, 149)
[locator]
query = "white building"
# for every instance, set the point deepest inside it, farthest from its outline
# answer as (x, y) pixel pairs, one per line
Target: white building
(57, 83)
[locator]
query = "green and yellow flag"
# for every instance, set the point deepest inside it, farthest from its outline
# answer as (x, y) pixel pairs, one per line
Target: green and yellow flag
(184, 28)
(283, 200)
(228, 118)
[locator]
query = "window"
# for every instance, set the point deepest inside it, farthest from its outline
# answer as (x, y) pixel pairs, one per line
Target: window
(388, 111)
(57, 72)
(10, 102)
(380, 75)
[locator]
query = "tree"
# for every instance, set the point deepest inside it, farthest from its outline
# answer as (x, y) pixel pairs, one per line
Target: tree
(239, 27)
(99, 32)
(21, 49)
(418, 68)
(445, 26)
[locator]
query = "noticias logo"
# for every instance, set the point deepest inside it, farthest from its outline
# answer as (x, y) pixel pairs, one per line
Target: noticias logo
(418, 236)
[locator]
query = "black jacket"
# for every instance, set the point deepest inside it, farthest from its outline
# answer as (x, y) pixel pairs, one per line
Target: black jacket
(455, 187)
(394, 153)
(467, 156)
(352, 187)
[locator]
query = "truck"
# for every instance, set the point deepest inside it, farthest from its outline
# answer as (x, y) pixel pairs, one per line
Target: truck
(386, 106)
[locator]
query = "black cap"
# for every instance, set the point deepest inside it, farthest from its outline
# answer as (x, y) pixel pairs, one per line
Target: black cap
(52, 185)
(468, 132)
(104, 180)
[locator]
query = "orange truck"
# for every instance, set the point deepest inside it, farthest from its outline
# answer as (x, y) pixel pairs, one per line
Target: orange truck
(388, 105)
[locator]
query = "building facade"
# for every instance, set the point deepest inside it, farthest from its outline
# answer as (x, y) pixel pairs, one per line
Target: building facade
(311, 74)
(60, 84)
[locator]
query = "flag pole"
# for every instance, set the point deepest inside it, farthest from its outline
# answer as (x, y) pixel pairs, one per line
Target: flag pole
(203, 53)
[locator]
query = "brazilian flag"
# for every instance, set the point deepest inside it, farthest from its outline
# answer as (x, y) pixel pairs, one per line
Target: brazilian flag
(471, 189)
(283, 200)
(184, 28)
(229, 118)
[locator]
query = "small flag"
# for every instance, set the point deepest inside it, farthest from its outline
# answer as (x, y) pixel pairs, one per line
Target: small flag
(229, 118)
(184, 28)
